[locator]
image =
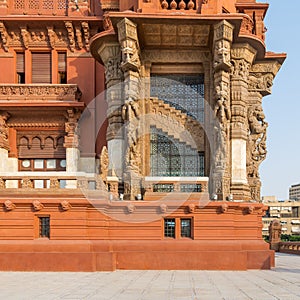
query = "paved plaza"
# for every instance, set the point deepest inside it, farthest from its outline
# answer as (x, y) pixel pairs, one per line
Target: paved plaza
(282, 282)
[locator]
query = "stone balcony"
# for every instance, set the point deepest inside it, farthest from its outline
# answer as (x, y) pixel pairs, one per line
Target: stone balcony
(39, 92)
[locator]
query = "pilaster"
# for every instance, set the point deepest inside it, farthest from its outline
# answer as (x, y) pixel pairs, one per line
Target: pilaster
(131, 110)
(72, 144)
(242, 56)
(110, 54)
(223, 35)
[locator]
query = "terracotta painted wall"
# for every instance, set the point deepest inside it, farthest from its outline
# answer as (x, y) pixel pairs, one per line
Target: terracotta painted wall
(81, 71)
(7, 64)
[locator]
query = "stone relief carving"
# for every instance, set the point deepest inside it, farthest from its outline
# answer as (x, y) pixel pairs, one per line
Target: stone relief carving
(240, 69)
(25, 37)
(163, 208)
(79, 37)
(130, 55)
(222, 53)
(260, 82)
(4, 36)
(104, 163)
(40, 91)
(71, 128)
(86, 34)
(247, 26)
(4, 116)
(257, 140)
(71, 37)
(9, 205)
(112, 68)
(107, 24)
(65, 205)
(37, 205)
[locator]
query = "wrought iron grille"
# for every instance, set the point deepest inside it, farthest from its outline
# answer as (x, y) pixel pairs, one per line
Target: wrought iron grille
(191, 188)
(45, 227)
(163, 187)
(183, 92)
(186, 228)
(169, 229)
(169, 157)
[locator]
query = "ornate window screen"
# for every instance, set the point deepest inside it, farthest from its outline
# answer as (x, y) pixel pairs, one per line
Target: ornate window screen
(183, 92)
(169, 157)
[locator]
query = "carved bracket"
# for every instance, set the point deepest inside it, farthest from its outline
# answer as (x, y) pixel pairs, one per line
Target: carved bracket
(4, 36)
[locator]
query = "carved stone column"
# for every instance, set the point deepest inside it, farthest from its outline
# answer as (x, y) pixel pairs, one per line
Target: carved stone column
(260, 83)
(72, 144)
(223, 34)
(131, 110)
(242, 56)
(110, 54)
(4, 146)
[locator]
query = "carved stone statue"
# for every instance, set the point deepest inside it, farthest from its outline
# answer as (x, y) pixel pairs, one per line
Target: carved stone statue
(104, 163)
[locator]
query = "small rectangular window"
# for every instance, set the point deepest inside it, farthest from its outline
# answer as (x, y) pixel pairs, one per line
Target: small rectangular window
(20, 67)
(62, 68)
(44, 227)
(169, 228)
(41, 67)
(185, 225)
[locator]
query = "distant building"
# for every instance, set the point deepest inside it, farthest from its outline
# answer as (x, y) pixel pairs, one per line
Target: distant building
(288, 213)
(294, 192)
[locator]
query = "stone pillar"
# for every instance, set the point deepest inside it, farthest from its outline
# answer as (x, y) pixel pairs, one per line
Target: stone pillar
(242, 56)
(110, 54)
(131, 110)
(223, 35)
(71, 144)
(260, 83)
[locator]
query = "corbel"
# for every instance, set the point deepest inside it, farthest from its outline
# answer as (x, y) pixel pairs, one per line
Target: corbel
(4, 36)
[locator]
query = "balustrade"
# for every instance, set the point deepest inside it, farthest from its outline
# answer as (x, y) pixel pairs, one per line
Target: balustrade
(178, 4)
(290, 247)
(49, 181)
(39, 92)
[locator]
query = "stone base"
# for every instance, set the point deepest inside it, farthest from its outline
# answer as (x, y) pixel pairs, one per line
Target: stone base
(104, 235)
(89, 256)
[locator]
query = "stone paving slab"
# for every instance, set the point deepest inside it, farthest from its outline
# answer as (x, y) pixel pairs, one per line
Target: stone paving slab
(282, 282)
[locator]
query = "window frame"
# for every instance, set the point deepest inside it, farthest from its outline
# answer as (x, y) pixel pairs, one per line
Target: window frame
(178, 234)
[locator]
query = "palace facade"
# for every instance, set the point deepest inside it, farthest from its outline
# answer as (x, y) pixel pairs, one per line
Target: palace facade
(131, 134)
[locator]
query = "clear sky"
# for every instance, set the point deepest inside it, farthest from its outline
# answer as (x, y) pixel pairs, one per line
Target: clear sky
(281, 168)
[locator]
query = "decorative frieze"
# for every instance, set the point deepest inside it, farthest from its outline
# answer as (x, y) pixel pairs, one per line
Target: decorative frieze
(39, 92)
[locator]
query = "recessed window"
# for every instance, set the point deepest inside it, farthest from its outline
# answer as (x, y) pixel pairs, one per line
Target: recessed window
(38, 163)
(41, 67)
(185, 226)
(44, 227)
(178, 228)
(51, 163)
(62, 67)
(169, 228)
(63, 163)
(20, 68)
(26, 163)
